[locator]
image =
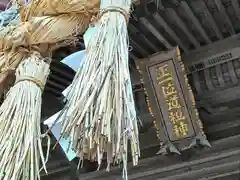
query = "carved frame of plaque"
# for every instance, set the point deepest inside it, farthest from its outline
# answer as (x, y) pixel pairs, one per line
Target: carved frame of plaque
(173, 119)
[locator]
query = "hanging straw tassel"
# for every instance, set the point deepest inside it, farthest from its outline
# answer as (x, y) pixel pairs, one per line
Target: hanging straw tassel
(40, 24)
(21, 153)
(20, 146)
(100, 113)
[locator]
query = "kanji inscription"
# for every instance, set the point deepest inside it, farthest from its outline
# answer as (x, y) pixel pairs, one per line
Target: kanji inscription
(172, 102)
(175, 110)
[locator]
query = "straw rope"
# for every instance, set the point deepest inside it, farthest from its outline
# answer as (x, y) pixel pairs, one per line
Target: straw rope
(100, 114)
(38, 27)
(38, 8)
(20, 115)
(22, 47)
(39, 83)
(47, 24)
(113, 9)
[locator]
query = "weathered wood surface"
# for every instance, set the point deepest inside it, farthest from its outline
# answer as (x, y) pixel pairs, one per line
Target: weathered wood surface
(60, 78)
(198, 159)
(218, 128)
(220, 160)
(218, 84)
(172, 101)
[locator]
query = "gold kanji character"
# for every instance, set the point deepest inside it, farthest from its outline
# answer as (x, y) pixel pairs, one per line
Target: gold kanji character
(160, 81)
(183, 128)
(173, 102)
(162, 71)
(176, 116)
(176, 131)
(180, 130)
(169, 90)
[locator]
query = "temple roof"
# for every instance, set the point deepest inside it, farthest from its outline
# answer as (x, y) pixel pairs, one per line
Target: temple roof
(200, 28)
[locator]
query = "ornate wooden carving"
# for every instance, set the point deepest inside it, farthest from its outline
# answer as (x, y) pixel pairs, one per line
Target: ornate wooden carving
(219, 84)
(172, 102)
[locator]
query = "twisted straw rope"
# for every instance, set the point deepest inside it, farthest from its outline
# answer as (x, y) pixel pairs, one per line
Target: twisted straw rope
(39, 26)
(20, 148)
(120, 10)
(39, 83)
(100, 115)
(24, 109)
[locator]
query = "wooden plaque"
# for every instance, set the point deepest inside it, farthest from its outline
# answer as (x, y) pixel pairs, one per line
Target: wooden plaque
(172, 102)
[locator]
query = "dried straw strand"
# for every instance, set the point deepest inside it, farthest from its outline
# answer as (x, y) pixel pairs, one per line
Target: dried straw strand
(40, 27)
(20, 146)
(100, 114)
(21, 152)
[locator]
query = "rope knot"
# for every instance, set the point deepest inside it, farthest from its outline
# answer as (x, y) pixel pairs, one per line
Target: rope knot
(31, 79)
(120, 10)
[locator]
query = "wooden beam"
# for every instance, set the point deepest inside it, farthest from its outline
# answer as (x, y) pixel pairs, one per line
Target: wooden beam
(221, 9)
(224, 176)
(212, 158)
(134, 30)
(137, 47)
(68, 72)
(170, 31)
(212, 21)
(156, 33)
(206, 171)
(195, 21)
(183, 26)
(211, 49)
(236, 7)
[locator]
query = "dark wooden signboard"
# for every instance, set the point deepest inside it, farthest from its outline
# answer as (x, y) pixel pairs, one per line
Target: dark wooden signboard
(172, 102)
